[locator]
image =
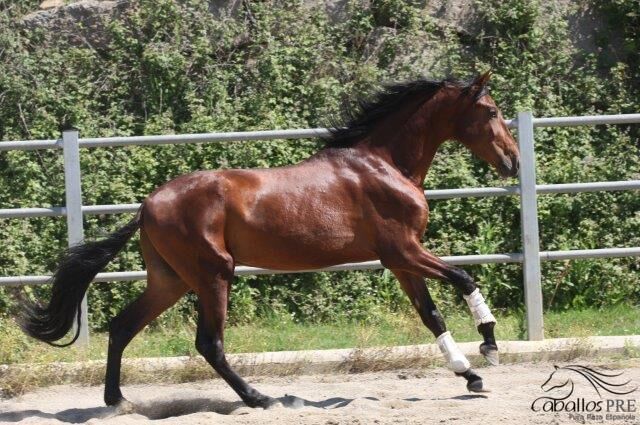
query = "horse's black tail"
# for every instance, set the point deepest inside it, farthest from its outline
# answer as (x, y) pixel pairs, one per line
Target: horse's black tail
(78, 266)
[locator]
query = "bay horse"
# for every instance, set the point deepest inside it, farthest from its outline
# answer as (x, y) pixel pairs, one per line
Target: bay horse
(360, 198)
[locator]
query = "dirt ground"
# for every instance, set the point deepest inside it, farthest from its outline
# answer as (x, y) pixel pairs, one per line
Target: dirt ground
(397, 397)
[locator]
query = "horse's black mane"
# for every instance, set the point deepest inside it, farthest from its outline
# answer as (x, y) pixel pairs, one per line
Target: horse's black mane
(358, 119)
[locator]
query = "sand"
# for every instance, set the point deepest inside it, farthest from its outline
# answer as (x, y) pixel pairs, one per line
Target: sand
(426, 396)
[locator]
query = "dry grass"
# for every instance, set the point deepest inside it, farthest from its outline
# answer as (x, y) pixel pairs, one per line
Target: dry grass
(19, 378)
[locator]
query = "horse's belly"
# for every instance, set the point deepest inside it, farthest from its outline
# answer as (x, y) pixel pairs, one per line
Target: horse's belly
(300, 259)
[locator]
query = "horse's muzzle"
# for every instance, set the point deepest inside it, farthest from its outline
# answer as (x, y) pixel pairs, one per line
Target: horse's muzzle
(509, 166)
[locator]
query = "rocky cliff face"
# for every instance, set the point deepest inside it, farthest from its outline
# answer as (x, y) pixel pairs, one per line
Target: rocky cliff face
(83, 22)
(78, 22)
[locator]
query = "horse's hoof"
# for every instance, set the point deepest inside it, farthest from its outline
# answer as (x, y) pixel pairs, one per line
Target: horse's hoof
(125, 407)
(113, 399)
(276, 404)
(490, 353)
(263, 401)
(476, 386)
(474, 381)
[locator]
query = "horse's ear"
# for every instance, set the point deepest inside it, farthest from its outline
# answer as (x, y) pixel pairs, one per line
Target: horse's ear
(482, 80)
(479, 85)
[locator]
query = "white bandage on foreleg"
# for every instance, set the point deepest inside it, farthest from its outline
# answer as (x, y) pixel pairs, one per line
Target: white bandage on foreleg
(457, 361)
(479, 309)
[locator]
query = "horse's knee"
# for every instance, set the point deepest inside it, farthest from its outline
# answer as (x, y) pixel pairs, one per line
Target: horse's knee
(461, 279)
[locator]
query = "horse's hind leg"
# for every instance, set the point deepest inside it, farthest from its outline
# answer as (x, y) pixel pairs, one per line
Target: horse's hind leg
(213, 294)
(164, 288)
(415, 287)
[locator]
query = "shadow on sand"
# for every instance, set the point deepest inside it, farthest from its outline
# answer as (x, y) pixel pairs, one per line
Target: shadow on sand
(166, 408)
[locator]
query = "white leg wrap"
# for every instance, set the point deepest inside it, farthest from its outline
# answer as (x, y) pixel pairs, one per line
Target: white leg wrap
(479, 310)
(457, 361)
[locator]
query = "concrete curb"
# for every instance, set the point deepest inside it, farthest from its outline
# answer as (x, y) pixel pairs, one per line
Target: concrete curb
(360, 359)
(183, 369)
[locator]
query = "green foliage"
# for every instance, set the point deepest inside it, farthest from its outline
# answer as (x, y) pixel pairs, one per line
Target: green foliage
(169, 67)
(175, 336)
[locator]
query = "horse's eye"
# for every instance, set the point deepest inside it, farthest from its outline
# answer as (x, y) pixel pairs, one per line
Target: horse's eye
(493, 113)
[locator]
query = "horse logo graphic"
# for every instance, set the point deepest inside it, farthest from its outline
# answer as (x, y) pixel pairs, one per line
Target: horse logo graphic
(598, 380)
(560, 385)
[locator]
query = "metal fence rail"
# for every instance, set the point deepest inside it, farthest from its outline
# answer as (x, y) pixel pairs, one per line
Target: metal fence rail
(470, 192)
(527, 190)
(458, 260)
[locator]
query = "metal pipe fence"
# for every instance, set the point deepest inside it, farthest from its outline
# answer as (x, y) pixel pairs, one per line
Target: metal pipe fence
(527, 189)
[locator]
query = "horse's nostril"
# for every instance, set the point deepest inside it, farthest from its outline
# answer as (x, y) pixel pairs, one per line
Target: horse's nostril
(507, 163)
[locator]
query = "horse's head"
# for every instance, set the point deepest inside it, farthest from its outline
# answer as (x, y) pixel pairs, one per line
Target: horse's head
(600, 381)
(557, 379)
(481, 127)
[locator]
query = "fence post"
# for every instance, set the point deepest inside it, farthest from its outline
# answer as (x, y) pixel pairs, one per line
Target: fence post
(73, 193)
(529, 228)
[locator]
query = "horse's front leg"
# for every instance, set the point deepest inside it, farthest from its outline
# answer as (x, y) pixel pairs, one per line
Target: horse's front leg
(416, 289)
(482, 316)
(418, 261)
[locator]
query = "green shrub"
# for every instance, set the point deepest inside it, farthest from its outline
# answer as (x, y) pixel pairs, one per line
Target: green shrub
(169, 67)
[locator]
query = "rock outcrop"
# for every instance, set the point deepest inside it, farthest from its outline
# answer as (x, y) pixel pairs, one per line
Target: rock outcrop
(80, 22)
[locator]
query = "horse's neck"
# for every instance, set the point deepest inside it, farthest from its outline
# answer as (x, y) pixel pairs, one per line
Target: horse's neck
(410, 144)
